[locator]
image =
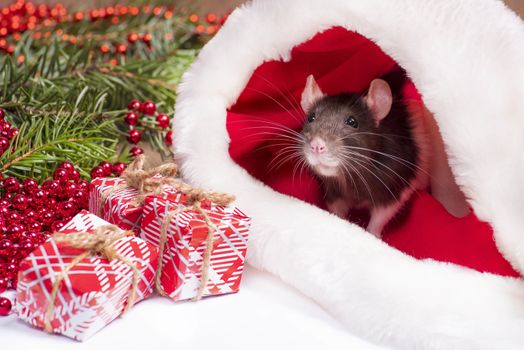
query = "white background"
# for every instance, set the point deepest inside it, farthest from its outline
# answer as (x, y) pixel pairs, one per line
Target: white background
(266, 313)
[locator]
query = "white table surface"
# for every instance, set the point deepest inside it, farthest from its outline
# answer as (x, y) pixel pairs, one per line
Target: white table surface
(265, 314)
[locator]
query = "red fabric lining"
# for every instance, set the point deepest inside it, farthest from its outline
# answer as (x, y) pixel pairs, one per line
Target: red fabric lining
(344, 61)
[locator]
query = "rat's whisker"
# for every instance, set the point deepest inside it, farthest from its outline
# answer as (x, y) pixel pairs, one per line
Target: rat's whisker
(362, 178)
(268, 133)
(363, 165)
(272, 145)
(293, 103)
(403, 161)
(294, 116)
(281, 159)
(285, 130)
(377, 162)
(346, 171)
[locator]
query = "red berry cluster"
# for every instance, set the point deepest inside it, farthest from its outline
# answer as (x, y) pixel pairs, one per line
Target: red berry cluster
(106, 169)
(213, 23)
(29, 213)
(121, 48)
(7, 133)
(20, 16)
(144, 114)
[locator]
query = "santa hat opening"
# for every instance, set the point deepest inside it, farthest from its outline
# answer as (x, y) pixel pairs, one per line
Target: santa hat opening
(344, 61)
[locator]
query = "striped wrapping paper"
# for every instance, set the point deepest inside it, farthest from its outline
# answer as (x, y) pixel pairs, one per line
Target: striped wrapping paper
(118, 207)
(93, 293)
(185, 245)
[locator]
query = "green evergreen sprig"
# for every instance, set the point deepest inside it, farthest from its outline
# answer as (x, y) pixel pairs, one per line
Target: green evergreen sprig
(68, 101)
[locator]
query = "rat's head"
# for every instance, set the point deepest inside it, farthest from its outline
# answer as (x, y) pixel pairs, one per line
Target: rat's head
(337, 127)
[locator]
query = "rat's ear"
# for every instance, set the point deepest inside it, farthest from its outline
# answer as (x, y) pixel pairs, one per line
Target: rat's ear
(379, 99)
(311, 93)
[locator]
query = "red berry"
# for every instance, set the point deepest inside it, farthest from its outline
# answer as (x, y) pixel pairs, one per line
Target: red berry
(104, 48)
(97, 172)
(6, 247)
(61, 175)
(40, 195)
(67, 165)
(20, 202)
(52, 186)
(163, 120)
(169, 138)
(69, 189)
(5, 306)
(4, 144)
(47, 217)
(27, 246)
(149, 108)
(134, 136)
(30, 215)
(121, 48)
(67, 209)
(131, 118)
(132, 38)
(4, 210)
(84, 185)
(11, 185)
(5, 129)
(57, 225)
(134, 105)
(80, 196)
(13, 217)
(211, 18)
(118, 168)
(29, 185)
(74, 175)
(2, 114)
(35, 226)
(146, 38)
(136, 151)
(15, 229)
(3, 285)
(12, 133)
(108, 168)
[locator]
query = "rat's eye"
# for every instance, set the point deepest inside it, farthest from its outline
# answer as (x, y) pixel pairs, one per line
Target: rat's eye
(351, 121)
(311, 117)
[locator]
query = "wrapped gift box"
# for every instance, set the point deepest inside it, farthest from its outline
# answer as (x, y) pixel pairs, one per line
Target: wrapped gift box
(185, 244)
(93, 292)
(114, 201)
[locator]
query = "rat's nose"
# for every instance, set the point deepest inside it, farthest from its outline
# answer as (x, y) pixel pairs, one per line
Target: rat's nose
(318, 146)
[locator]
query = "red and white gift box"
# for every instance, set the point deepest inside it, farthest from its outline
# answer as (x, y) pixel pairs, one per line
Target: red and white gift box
(186, 241)
(93, 292)
(115, 202)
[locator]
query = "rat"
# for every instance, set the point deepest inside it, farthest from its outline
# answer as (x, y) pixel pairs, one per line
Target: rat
(366, 149)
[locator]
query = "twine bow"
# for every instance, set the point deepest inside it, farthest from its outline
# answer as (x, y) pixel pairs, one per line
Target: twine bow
(100, 242)
(144, 181)
(195, 196)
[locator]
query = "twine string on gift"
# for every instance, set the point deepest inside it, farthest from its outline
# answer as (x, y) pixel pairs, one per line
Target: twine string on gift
(100, 242)
(195, 196)
(144, 181)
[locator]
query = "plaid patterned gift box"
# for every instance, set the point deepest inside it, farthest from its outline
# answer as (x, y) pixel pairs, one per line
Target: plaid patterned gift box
(120, 200)
(114, 201)
(204, 245)
(84, 277)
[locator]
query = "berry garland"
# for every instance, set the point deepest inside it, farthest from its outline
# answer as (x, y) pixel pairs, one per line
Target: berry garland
(32, 208)
(46, 21)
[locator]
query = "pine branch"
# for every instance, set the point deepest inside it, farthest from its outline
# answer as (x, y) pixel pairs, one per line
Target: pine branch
(68, 98)
(44, 141)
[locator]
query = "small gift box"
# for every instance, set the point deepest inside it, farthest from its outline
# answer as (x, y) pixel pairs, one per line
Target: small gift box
(84, 277)
(202, 245)
(120, 200)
